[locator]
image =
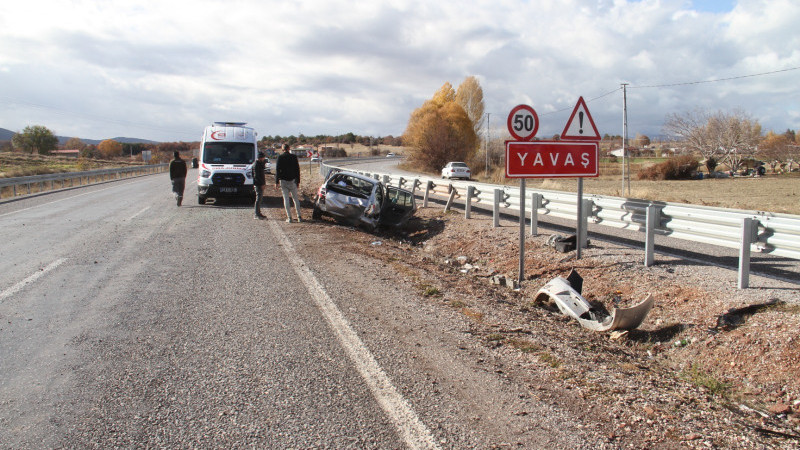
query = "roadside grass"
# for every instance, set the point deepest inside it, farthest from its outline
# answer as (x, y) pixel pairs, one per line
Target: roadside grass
(772, 193)
(700, 378)
(13, 164)
(779, 193)
(550, 360)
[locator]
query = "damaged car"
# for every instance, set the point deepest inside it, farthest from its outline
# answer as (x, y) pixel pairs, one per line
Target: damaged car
(358, 200)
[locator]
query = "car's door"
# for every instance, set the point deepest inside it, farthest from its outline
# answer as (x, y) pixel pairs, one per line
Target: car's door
(398, 206)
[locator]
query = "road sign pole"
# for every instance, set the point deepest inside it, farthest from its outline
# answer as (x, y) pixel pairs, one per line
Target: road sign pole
(521, 231)
(579, 227)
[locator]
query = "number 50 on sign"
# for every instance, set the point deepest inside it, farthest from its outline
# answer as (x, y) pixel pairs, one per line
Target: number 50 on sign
(523, 123)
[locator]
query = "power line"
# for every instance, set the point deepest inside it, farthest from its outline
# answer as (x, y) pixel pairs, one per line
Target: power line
(715, 80)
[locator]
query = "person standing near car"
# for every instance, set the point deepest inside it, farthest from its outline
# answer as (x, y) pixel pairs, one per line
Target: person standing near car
(287, 177)
(177, 173)
(259, 181)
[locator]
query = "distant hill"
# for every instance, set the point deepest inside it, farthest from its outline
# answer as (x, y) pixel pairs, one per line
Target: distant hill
(6, 135)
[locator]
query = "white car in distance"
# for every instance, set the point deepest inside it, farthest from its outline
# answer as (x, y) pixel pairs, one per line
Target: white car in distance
(455, 169)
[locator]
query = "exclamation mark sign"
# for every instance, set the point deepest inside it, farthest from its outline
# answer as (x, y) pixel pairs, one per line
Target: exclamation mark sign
(580, 121)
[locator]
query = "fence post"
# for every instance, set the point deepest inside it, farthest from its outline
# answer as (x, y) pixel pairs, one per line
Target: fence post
(428, 188)
(451, 198)
(536, 201)
(498, 193)
(748, 228)
(415, 186)
(650, 234)
(386, 180)
(468, 204)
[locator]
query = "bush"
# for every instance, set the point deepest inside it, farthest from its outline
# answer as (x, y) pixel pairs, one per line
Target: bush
(678, 168)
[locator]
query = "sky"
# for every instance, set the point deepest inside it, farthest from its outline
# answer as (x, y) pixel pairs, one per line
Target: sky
(164, 69)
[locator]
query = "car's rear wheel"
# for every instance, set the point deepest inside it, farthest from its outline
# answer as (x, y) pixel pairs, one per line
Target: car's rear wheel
(316, 213)
(201, 200)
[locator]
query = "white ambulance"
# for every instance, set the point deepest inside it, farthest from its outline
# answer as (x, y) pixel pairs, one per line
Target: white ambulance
(227, 153)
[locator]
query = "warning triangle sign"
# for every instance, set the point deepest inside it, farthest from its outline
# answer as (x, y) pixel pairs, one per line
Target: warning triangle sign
(580, 126)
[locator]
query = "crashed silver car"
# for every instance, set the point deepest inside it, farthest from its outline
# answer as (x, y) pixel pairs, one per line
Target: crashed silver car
(358, 200)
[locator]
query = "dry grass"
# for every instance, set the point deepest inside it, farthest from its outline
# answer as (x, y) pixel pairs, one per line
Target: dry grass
(772, 193)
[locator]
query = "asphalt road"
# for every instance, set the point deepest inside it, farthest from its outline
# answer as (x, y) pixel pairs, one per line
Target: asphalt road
(126, 321)
(778, 268)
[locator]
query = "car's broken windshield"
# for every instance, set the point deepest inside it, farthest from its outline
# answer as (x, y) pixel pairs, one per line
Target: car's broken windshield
(228, 153)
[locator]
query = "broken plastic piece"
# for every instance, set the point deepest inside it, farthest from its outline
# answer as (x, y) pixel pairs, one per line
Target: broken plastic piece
(566, 293)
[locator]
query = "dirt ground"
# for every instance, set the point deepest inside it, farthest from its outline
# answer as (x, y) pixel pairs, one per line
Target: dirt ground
(711, 365)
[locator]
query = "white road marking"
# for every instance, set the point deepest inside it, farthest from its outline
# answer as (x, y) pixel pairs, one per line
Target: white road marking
(18, 287)
(415, 434)
(134, 216)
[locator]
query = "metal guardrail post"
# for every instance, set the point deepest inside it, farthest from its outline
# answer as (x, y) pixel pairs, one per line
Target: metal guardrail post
(414, 187)
(586, 211)
(428, 189)
(386, 180)
(748, 229)
(468, 204)
(450, 199)
(536, 201)
(650, 234)
(498, 195)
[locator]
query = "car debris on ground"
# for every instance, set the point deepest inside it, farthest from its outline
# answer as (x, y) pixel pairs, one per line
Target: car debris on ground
(566, 294)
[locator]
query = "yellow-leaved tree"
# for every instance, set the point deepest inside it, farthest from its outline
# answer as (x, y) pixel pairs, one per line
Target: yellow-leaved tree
(109, 148)
(440, 131)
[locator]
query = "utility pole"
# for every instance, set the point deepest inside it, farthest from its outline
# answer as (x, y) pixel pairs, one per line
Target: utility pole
(626, 165)
(486, 144)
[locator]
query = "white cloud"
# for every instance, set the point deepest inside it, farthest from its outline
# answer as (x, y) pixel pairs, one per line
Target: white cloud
(162, 70)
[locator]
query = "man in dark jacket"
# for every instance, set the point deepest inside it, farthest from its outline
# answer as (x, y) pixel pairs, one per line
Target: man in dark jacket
(259, 181)
(287, 176)
(177, 173)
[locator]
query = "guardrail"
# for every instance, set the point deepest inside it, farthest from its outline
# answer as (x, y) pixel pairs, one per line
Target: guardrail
(91, 176)
(748, 231)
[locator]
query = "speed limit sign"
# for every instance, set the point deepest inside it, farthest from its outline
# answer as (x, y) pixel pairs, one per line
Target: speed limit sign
(523, 123)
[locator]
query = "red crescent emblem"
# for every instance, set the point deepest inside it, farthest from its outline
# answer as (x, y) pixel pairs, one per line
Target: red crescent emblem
(217, 135)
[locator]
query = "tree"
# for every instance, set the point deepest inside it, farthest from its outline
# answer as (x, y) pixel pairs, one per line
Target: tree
(74, 144)
(35, 138)
(727, 136)
(109, 148)
(690, 127)
(642, 140)
(440, 131)
(470, 96)
(774, 149)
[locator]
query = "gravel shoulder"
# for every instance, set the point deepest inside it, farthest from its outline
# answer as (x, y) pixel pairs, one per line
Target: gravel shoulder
(711, 365)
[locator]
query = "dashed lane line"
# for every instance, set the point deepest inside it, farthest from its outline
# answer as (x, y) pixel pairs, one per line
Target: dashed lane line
(19, 286)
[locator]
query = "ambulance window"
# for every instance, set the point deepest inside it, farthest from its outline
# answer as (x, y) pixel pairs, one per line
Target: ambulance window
(228, 153)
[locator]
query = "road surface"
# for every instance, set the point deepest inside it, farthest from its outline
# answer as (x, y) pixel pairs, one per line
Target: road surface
(126, 321)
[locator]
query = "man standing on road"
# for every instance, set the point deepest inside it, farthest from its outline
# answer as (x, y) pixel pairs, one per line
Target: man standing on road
(287, 176)
(259, 181)
(177, 173)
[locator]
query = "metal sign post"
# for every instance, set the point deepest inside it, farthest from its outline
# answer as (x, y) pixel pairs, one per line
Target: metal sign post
(521, 230)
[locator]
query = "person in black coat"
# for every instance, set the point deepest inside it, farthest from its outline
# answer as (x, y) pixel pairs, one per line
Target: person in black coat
(177, 173)
(259, 181)
(287, 177)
